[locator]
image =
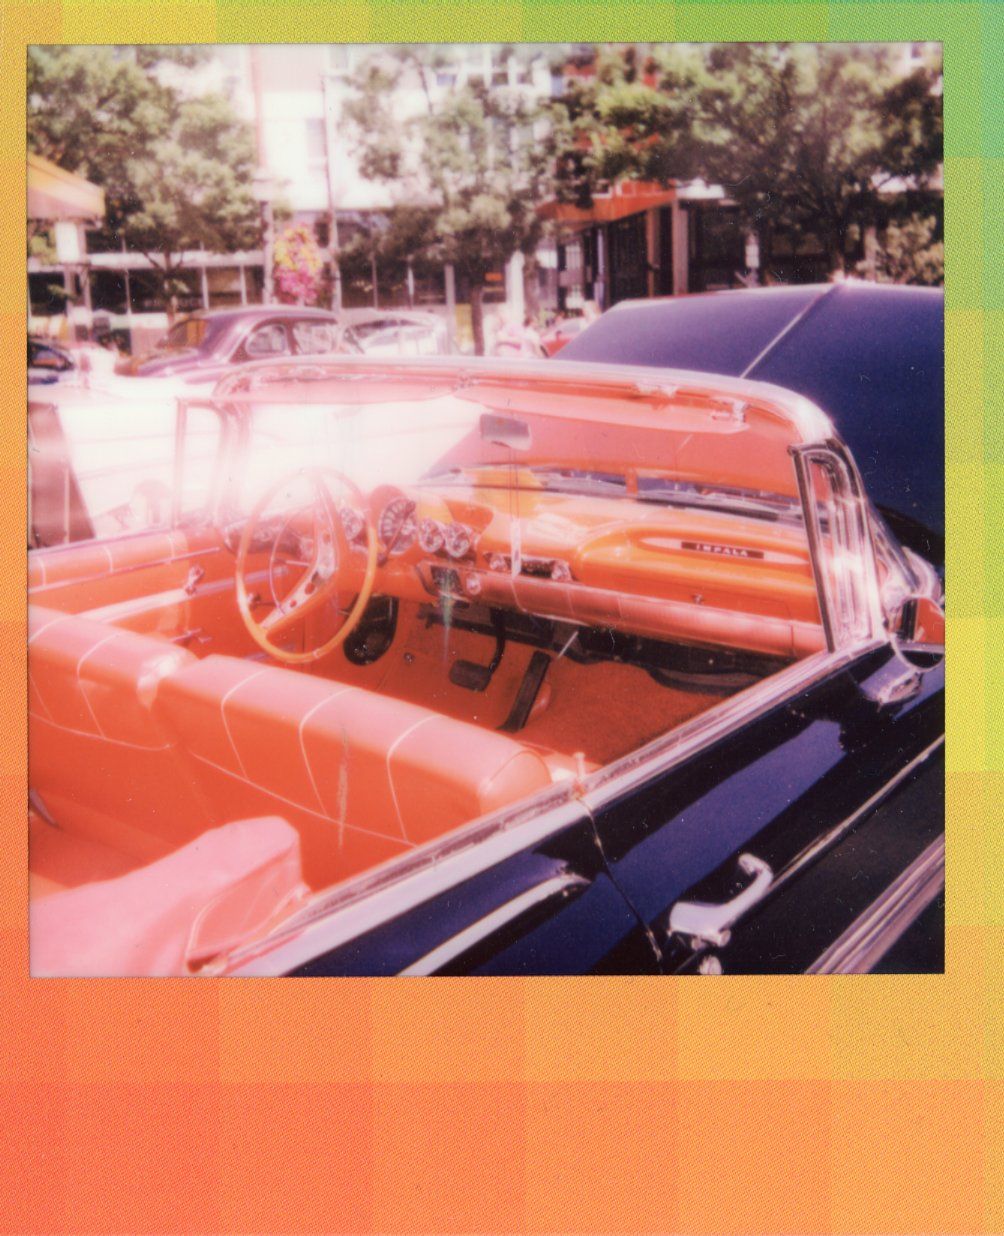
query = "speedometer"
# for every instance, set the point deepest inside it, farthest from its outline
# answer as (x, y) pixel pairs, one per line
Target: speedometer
(397, 527)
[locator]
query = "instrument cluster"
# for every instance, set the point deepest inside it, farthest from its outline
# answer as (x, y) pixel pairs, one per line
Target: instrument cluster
(454, 539)
(400, 527)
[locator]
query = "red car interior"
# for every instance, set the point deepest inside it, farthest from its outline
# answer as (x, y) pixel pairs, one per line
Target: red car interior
(159, 728)
(226, 886)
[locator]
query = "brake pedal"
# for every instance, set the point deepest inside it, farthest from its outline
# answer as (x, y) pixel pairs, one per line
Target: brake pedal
(528, 691)
(470, 676)
(475, 677)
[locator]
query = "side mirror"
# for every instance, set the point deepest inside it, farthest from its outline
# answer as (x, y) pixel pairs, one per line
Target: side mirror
(505, 431)
(920, 630)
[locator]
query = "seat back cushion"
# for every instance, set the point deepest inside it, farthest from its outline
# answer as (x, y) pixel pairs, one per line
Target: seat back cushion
(361, 776)
(101, 763)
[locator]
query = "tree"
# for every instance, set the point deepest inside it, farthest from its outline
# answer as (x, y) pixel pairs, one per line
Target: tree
(803, 137)
(176, 169)
(467, 170)
(806, 137)
(908, 253)
(625, 113)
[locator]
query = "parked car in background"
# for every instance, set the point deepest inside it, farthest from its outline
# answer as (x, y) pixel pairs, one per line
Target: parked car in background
(556, 336)
(398, 332)
(48, 363)
(427, 666)
(202, 346)
(871, 354)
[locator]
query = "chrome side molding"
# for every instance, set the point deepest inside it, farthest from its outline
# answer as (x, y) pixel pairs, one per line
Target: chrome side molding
(889, 917)
(449, 950)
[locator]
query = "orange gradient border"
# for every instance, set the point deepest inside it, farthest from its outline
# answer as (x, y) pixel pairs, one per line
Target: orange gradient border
(548, 1105)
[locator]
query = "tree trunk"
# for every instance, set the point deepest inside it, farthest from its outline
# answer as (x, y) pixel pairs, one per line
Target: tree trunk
(836, 258)
(171, 296)
(531, 297)
(478, 318)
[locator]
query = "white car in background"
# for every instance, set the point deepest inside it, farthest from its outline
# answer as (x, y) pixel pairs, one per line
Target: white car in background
(398, 332)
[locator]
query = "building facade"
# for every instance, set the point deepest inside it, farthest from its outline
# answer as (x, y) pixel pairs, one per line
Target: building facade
(636, 240)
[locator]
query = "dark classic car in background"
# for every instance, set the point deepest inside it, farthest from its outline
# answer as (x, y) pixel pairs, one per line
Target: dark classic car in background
(626, 675)
(871, 355)
(201, 346)
(48, 363)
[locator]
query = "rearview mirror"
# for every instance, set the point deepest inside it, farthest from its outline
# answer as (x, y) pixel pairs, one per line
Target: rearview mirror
(505, 431)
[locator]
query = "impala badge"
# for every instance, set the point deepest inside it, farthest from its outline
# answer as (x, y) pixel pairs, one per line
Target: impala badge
(727, 551)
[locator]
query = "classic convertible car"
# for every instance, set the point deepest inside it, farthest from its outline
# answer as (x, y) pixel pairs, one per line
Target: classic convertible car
(458, 667)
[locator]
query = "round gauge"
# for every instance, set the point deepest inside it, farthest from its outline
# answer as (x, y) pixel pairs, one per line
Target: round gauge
(397, 528)
(458, 540)
(353, 524)
(430, 536)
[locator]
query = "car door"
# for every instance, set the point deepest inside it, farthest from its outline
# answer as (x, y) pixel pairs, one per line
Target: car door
(717, 854)
(497, 906)
(817, 758)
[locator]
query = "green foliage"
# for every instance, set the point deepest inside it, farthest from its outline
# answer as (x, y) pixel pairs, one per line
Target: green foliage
(467, 167)
(633, 117)
(802, 137)
(908, 253)
(176, 169)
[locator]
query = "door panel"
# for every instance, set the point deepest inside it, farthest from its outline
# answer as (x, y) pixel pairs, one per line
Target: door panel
(780, 790)
(547, 910)
(171, 584)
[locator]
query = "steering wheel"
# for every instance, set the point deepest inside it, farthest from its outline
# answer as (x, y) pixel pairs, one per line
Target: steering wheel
(330, 555)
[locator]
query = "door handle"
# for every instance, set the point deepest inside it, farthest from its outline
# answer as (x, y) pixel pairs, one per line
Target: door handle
(709, 923)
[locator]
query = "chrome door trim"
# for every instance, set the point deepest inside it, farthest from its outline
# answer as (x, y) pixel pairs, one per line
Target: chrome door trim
(459, 944)
(887, 919)
(813, 851)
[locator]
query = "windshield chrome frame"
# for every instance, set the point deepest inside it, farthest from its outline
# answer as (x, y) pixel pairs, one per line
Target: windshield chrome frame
(863, 591)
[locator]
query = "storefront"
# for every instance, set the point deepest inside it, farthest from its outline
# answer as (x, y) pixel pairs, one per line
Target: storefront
(638, 240)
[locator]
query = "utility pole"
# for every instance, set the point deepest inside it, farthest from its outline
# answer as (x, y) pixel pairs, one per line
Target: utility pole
(451, 305)
(336, 270)
(262, 185)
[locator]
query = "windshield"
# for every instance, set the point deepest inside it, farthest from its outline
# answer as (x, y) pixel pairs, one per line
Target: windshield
(189, 333)
(438, 441)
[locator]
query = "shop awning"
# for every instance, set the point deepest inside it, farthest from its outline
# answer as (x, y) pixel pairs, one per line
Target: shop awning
(628, 197)
(55, 195)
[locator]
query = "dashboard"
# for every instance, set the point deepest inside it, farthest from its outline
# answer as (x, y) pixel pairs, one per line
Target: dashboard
(704, 577)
